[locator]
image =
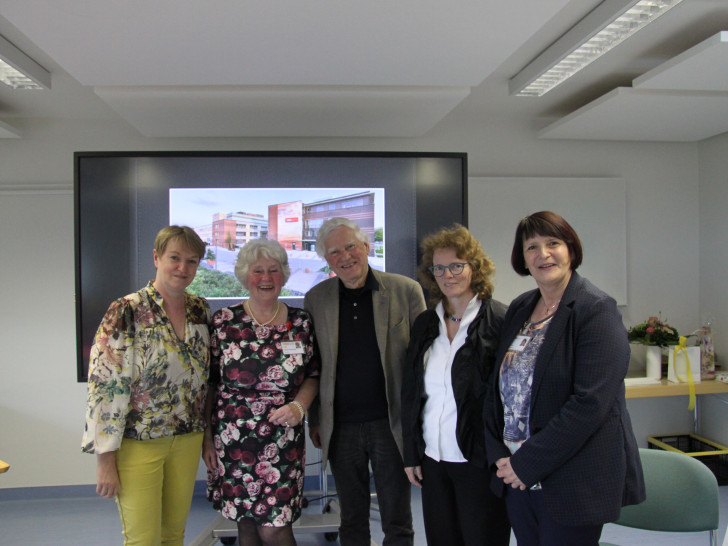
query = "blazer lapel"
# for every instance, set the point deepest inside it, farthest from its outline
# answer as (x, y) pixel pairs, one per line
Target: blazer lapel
(380, 305)
(331, 320)
(555, 332)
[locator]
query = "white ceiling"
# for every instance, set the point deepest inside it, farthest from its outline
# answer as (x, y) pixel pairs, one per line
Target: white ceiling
(683, 99)
(322, 68)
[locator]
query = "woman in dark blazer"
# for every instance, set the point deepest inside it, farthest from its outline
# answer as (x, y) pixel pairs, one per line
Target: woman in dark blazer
(449, 359)
(557, 429)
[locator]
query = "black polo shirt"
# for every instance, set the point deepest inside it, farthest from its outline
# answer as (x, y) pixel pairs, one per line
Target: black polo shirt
(360, 394)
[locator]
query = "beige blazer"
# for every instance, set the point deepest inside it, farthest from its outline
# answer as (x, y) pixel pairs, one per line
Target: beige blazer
(397, 303)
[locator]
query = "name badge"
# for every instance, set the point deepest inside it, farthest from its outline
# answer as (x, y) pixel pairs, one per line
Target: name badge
(292, 347)
(519, 343)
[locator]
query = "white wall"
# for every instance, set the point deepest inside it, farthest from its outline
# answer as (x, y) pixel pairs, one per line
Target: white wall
(714, 270)
(42, 406)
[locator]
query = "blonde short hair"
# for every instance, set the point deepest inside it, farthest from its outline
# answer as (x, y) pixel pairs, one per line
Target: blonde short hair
(187, 236)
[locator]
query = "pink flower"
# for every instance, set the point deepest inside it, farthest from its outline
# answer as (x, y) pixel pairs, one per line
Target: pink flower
(260, 509)
(228, 510)
(272, 476)
(262, 332)
(221, 316)
(232, 352)
(270, 451)
(254, 488)
(267, 352)
(258, 407)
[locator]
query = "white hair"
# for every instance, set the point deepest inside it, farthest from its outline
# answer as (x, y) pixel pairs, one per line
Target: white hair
(254, 250)
(335, 223)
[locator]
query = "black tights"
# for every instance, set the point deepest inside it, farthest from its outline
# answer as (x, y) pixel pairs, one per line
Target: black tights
(250, 534)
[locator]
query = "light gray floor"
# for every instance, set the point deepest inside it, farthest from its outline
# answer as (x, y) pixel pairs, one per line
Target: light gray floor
(44, 518)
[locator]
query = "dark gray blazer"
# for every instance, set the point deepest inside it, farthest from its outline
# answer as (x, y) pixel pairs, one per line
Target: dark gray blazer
(582, 449)
(397, 303)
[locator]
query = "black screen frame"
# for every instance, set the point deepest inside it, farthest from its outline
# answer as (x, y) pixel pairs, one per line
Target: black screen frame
(438, 197)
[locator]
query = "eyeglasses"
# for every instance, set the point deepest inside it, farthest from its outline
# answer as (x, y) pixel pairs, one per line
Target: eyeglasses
(455, 268)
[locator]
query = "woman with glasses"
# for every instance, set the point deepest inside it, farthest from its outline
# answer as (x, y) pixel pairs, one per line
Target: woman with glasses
(450, 356)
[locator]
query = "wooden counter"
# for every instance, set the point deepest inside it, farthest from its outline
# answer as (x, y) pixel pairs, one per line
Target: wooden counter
(666, 388)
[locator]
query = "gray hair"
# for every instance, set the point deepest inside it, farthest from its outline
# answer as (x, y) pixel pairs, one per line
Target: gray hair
(332, 224)
(261, 248)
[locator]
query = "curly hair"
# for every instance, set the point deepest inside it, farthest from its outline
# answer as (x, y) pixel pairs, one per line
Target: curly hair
(467, 248)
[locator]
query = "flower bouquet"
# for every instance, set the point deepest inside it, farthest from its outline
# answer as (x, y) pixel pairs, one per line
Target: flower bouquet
(654, 332)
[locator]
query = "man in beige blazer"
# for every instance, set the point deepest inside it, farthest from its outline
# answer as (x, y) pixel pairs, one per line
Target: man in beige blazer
(362, 320)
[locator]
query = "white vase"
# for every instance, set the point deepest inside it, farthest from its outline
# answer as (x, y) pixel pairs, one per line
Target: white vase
(654, 362)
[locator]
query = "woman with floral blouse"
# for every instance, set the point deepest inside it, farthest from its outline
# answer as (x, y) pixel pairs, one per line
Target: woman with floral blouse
(263, 378)
(147, 383)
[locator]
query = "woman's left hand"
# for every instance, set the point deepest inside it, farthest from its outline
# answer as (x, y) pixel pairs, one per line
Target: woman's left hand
(505, 471)
(286, 416)
(209, 455)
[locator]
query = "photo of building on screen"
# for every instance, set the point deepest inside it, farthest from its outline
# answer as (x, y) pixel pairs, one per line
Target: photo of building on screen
(294, 224)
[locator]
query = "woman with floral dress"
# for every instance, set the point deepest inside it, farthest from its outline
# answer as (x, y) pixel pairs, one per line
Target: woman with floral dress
(263, 379)
(147, 385)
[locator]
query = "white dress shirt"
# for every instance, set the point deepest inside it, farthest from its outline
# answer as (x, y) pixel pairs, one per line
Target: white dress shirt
(439, 416)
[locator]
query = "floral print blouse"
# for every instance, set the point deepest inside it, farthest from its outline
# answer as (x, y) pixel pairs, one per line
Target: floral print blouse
(144, 381)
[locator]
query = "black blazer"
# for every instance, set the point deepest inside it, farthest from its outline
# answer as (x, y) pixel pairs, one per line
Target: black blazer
(581, 447)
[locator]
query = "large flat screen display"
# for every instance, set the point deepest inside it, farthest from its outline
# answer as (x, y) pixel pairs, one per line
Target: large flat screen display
(123, 199)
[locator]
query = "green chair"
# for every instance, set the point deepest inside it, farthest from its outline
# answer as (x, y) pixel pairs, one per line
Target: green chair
(682, 496)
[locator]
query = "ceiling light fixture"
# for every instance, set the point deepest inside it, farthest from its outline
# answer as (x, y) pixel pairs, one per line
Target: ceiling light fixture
(20, 71)
(609, 24)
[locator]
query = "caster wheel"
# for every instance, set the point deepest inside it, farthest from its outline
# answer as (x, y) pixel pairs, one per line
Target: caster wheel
(228, 540)
(331, 537)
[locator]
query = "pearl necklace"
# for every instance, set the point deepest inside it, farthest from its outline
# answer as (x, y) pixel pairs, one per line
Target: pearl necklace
(275, 314)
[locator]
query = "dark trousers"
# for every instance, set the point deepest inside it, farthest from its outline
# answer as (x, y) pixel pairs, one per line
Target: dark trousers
(353, 447)
(459, 508)
(534, 527)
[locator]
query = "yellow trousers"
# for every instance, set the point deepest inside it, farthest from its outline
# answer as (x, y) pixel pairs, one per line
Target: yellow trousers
(157, 481)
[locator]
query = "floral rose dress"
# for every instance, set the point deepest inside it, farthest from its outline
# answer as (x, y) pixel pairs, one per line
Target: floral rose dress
(253, 372)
